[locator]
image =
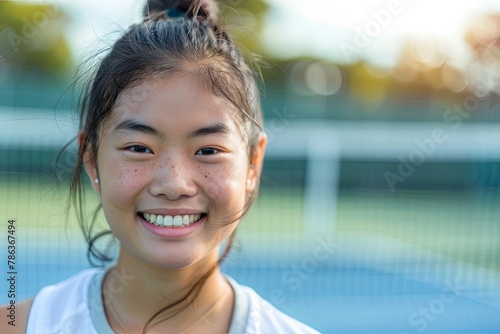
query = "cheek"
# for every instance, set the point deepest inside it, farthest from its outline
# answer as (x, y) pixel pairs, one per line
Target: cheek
(225, 184)
(121, 181)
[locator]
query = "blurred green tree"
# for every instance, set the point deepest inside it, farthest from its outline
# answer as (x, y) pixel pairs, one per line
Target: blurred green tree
(32, 36)
(245, 21)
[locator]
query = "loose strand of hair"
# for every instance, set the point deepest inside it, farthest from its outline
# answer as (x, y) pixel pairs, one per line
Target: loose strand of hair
(190, 296)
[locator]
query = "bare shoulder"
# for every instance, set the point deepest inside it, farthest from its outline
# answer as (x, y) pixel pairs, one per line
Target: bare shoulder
(14, 317)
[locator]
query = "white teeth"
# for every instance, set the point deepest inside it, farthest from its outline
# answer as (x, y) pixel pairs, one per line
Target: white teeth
(177, 221)
(159, 220)
(169, 221)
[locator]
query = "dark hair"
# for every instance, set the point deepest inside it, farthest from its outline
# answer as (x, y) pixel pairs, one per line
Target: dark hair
(190, 43)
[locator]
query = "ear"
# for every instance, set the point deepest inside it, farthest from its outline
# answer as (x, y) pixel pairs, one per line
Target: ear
(256, 164)
(89, 160)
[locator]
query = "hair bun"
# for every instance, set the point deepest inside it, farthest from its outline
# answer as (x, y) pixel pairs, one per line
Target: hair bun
(203, 9)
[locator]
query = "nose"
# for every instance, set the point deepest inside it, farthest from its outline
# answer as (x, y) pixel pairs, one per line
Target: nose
(173, 180)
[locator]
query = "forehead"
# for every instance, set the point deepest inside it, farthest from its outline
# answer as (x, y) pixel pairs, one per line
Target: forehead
(179, 102)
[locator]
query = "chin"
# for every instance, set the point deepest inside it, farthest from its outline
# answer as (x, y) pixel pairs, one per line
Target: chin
(177, 261)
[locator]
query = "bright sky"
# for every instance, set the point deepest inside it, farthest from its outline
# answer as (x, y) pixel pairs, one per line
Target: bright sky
(343, 31)
(330, 25)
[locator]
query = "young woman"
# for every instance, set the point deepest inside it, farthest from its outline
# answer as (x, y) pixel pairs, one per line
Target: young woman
(171, 139)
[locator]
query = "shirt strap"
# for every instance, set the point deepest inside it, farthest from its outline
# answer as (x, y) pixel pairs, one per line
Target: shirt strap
(241, 310)
(96, 307)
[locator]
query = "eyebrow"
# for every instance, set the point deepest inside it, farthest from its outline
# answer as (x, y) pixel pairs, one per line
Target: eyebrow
(217, 128)
(135, 126)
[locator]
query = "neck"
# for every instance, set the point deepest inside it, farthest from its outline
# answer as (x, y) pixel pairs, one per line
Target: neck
(134, 291)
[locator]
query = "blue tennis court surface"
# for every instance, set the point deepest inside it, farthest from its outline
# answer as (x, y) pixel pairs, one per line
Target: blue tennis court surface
(342, 296)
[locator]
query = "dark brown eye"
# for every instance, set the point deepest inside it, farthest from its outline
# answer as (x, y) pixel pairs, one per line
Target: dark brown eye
(139, 149)
(207, 151)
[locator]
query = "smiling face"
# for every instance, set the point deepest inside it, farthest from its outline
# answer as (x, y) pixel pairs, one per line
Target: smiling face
(174, 171)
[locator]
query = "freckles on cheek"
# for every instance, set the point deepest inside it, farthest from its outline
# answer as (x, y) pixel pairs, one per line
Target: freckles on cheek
(125, 182)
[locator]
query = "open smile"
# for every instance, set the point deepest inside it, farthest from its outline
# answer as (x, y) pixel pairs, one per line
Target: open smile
(172, 221)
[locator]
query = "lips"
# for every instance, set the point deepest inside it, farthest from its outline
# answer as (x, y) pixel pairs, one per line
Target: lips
(172, 221)
(177, 226)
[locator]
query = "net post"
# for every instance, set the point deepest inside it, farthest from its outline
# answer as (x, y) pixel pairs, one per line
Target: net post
(323, 156)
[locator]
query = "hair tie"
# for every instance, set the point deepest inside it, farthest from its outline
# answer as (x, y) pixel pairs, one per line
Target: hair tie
(175, 12)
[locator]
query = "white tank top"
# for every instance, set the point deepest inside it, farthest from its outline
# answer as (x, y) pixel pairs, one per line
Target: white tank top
(75, 306)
